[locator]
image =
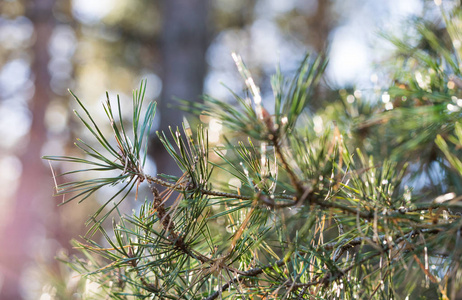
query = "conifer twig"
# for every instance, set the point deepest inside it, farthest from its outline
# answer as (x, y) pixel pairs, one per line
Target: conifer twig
(249, 273)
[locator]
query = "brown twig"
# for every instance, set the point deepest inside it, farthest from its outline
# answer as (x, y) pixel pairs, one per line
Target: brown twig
(274, 138)
(249, 273)
(169, 225)
(307, 194)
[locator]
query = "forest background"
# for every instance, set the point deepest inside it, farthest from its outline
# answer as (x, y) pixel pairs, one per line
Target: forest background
(183, 49)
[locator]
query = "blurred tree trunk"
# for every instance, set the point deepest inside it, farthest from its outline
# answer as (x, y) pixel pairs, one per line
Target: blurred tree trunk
(184, 42)
(16, 252)
(320, 25)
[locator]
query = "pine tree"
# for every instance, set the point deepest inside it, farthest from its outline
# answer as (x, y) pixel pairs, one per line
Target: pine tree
(360, 200)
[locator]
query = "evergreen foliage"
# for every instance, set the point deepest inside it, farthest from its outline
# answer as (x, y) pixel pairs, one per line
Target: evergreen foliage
(365, 207)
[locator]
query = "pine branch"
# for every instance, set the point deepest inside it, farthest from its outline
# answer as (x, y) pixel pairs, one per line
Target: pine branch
(179, 251)
(308, 195)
